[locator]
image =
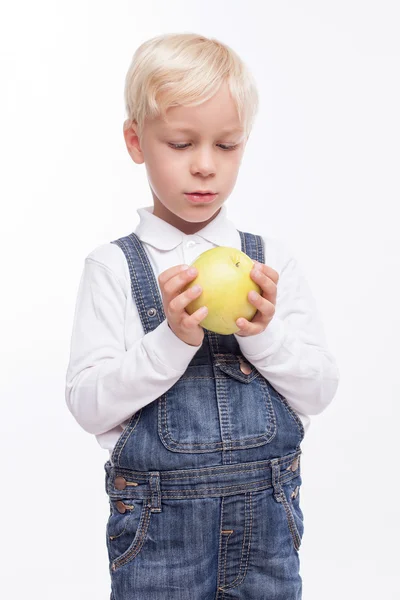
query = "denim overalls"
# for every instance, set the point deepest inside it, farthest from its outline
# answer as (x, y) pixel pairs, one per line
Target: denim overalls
(204, 482)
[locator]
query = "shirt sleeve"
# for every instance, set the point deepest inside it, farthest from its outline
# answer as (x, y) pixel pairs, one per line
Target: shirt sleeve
(291, 353)
(105, 382)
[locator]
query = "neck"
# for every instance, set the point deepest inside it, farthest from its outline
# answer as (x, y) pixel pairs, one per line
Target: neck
(162, 212)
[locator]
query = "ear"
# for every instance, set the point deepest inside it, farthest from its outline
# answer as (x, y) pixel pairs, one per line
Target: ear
(132, 141)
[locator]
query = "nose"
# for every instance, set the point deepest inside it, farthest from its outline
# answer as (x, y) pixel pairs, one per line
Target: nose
(203, 162)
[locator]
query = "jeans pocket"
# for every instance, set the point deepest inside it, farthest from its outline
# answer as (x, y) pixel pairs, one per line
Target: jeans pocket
(126, 530)
(290, 500)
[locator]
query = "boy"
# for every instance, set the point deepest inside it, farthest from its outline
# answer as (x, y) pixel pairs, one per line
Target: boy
(203, 430)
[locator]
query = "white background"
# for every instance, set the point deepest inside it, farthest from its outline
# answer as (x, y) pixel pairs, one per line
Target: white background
(321, 172)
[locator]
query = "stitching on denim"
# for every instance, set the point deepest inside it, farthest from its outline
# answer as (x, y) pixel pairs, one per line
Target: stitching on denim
(237, 374)
(249, 499)
(123, 440)
(116, 453)
(236, 486)
(135, 287)
(244, 539)
(127, 515)
(247, 531)
(280, 496)
(223, 409)
(220, 570)
(219, 470)
(243, 377)
(137, 542)
(226, 541)
(192, 494)
(169, 442)
(271, 417)
(167, 439)
(291, 522)
(221, 392)
(215, 337)
(259, 249)
(229, 473)
(291, 412)
(200, 377)
(146, 266)
(135, 284)
(134, 281)
(243, 239)
(227, 446)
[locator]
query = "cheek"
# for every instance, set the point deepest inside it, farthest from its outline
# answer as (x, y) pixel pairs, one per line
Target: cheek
(230, 164)
(163, 178)
(163, 172)
(231, 171)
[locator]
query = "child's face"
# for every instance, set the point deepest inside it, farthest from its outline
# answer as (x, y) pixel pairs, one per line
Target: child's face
(202, 165)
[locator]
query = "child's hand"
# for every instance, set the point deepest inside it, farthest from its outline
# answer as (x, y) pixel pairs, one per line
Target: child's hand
(267, 279)
(185, 326)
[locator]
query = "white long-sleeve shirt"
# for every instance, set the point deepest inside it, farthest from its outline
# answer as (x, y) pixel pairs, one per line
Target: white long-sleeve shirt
(115, 369)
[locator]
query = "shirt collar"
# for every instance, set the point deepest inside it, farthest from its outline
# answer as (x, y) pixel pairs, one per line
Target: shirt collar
(164, 236)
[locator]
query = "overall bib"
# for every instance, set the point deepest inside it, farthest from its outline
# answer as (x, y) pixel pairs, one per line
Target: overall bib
(203, 483)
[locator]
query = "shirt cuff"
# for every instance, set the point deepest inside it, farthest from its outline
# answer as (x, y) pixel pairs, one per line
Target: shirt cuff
(265, 343)
(168, 348)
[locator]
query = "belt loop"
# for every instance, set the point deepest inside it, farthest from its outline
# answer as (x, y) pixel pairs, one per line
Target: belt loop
(107, 467)
(276, 476)
(155, 500)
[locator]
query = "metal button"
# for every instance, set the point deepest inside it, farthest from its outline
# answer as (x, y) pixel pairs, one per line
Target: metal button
(121, 508)
(245, 367)
(151, 312)
(120, 483)
(295, 464)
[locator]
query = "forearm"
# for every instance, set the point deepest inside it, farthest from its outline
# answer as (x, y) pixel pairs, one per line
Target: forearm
(102, 392)
(305, 374)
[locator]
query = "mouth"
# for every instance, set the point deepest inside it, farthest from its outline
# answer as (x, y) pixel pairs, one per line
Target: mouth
(201, 197)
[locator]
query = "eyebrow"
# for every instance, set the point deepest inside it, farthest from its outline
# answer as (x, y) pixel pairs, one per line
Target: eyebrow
(224, 131)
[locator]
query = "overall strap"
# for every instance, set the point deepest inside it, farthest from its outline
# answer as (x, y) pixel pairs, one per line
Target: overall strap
(253, 246)
(145, 290)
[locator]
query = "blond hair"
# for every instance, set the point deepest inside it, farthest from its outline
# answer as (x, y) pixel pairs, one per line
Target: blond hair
(186, 69)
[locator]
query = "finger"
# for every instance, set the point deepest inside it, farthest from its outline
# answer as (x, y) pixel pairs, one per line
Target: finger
(176, 283)
(196, 318)
(265, 306)
(248, 328)
(267, 270)
(178, 303)
(266, 284)
(171, 272)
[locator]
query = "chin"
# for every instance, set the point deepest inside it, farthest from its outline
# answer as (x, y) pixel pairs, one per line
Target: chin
(199, 215)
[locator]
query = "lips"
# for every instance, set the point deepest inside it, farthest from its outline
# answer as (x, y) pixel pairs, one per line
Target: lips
(197, 192)
(201, 197)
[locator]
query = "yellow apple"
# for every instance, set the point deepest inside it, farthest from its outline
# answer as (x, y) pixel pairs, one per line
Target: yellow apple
(224, 276)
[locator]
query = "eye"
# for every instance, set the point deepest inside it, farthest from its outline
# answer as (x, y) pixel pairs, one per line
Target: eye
(179, 146)
(183, 146)
(228, 147)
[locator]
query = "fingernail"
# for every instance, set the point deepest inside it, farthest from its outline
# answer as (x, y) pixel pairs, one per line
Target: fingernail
(192, 271)
(196, 288)
(184, 268)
